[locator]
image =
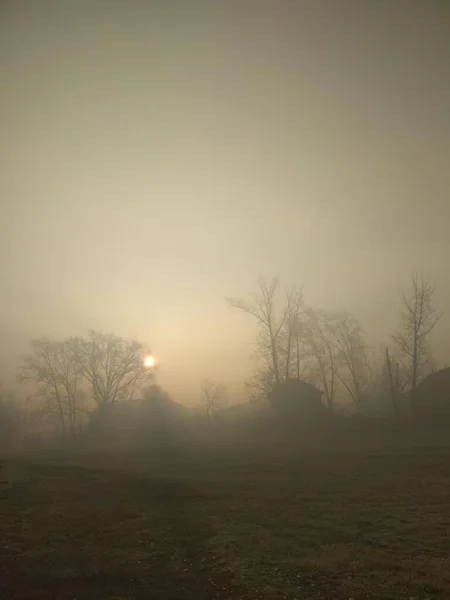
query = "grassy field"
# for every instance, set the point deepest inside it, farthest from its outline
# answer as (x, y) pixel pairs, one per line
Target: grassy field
(336, 527)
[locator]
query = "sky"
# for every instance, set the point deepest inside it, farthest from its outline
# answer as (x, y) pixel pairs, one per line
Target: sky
(158, 156)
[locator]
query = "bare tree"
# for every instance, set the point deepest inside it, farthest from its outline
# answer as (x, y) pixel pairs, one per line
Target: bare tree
(418, 319)
(69, 377)
(290, 347)
(53, 366)
(400, 374)
(115, 368)
(320, 345)
(351, 359)
(260, 384)
(212, 397)
(262, 307)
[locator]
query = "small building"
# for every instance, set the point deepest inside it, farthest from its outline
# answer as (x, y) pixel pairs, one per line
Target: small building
(153, 418)
(431, 398)
(297, 398)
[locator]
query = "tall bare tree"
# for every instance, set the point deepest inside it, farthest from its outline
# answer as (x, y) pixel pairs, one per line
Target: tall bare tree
(53, 366)
(262, 306)
(260, 384)
(418, 319)
(290, 347)
(351, 359)
(115, 368)
(213, 396)
(320, 345)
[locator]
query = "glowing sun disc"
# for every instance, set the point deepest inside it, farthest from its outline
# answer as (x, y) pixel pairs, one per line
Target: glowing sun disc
(149, 361)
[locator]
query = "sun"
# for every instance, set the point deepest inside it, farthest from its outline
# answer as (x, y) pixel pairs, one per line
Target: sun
(149, 361)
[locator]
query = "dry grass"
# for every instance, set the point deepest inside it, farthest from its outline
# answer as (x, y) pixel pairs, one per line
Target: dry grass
(315, 527)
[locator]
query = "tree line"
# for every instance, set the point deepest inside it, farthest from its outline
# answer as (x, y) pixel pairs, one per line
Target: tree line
(68, 378)
(329, 347)
(103, 368)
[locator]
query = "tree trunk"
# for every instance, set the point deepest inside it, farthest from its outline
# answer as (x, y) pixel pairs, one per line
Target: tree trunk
(391, 384)
(288, 358)
(325, 386)
(61, 413)
(414, 364)
(275, 360)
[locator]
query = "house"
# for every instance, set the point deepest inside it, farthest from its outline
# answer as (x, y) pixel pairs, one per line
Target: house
(431, 398)
(297, 398)
(153, 418)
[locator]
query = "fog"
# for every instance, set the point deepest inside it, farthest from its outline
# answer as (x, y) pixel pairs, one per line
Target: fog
(158, 157)
(224, 293)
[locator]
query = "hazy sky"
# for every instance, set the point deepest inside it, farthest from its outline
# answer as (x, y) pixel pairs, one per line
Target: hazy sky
(158, 156)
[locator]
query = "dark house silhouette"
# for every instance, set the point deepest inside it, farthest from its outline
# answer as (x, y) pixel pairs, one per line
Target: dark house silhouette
(297, 398)
(431, 398)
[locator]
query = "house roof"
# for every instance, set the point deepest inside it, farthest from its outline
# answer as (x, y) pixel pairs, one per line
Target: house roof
(439, 379)
(300, 385)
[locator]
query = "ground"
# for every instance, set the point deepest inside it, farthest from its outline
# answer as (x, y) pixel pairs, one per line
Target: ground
(220, 527)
